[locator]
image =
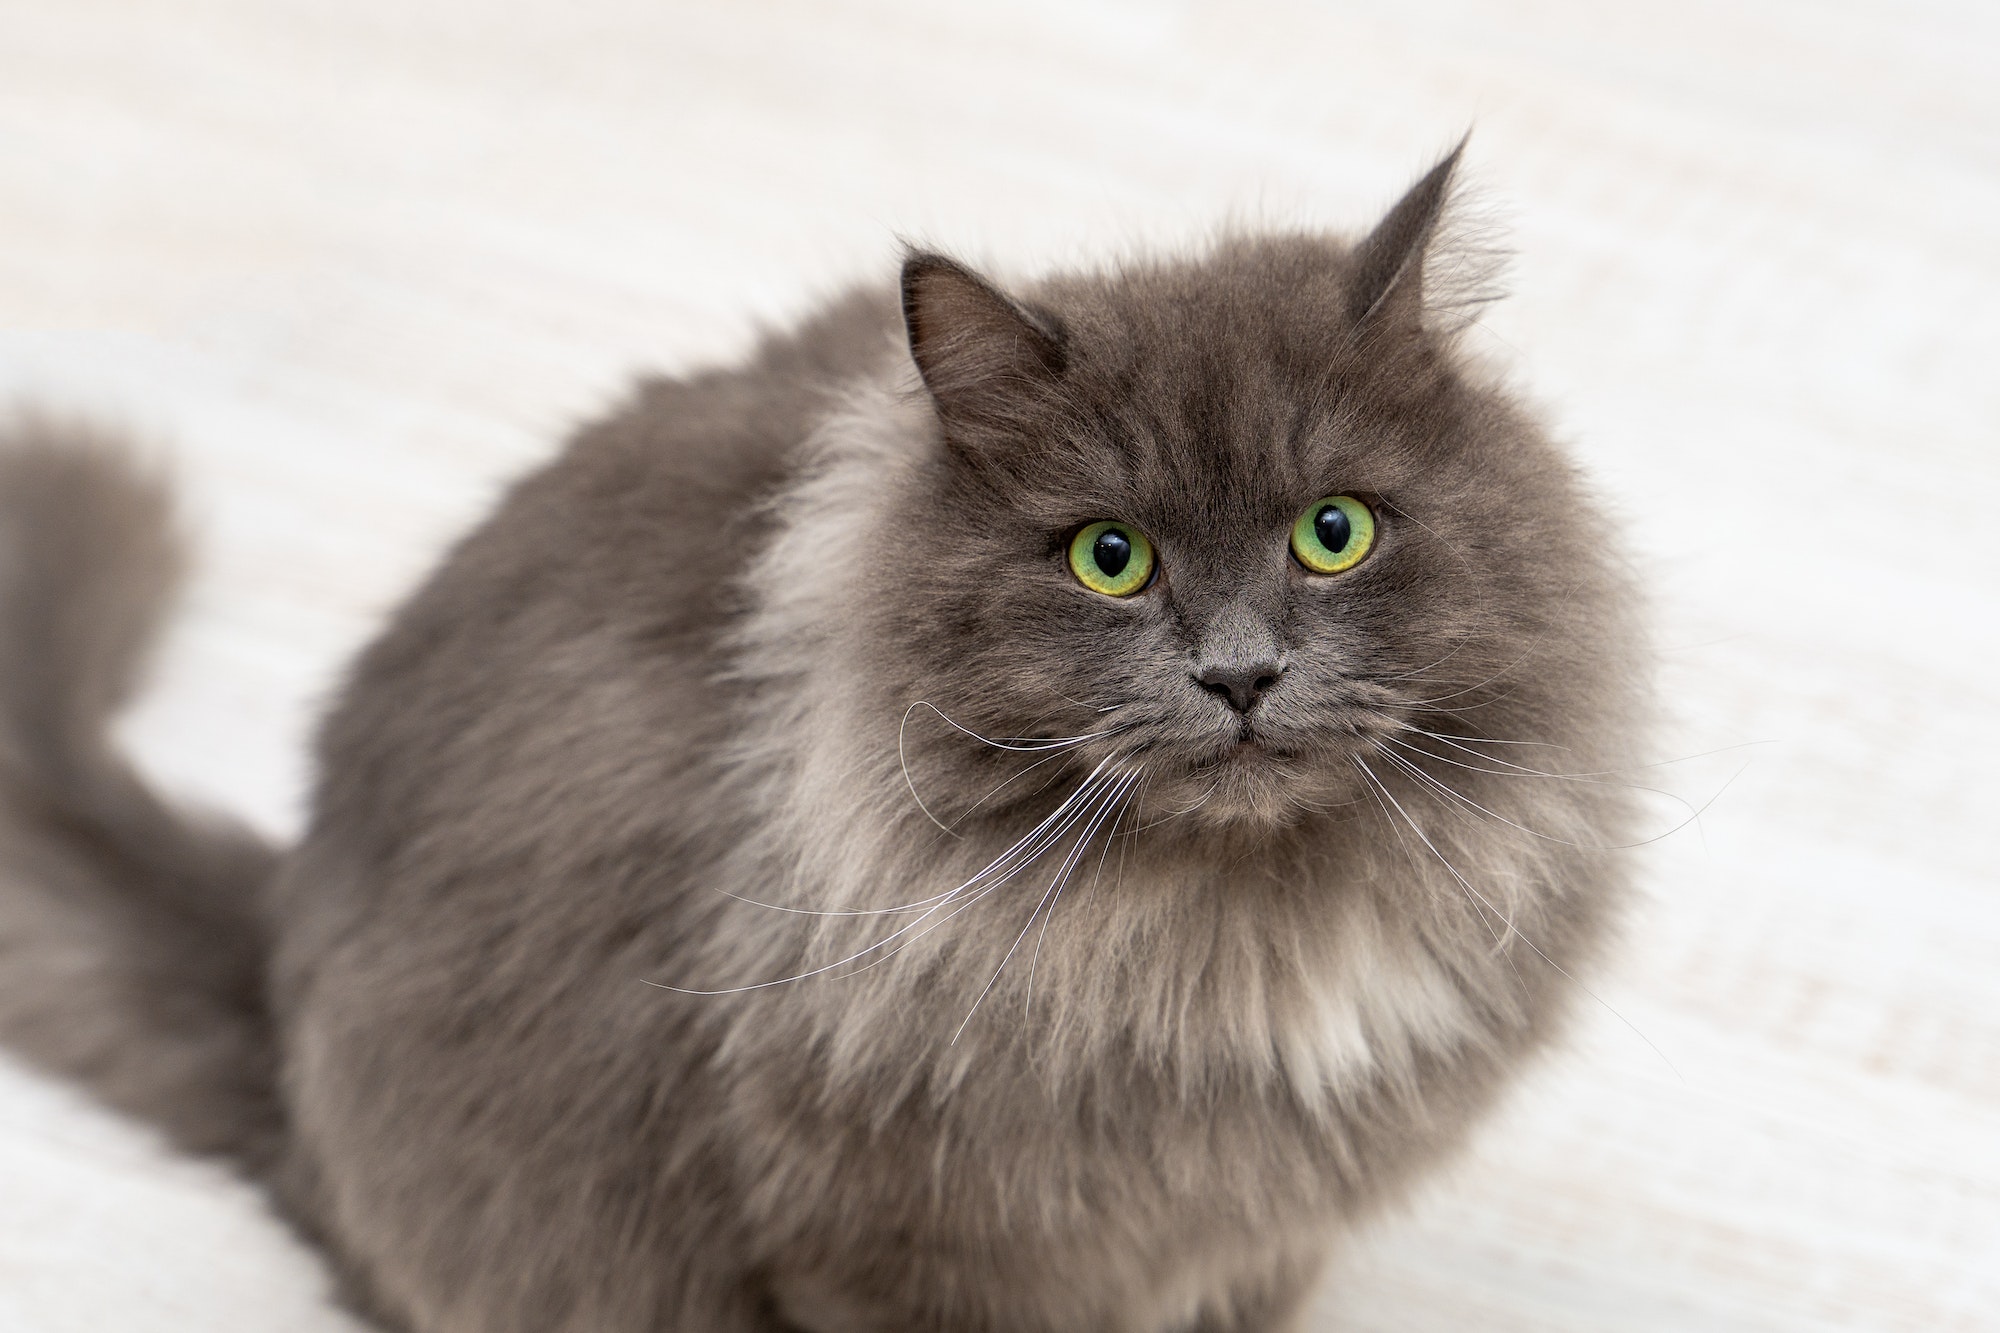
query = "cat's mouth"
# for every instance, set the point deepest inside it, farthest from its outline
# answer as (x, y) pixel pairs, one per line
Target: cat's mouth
(1266, 771)
(1246, 748)
(1250, 747)
(1243, 743)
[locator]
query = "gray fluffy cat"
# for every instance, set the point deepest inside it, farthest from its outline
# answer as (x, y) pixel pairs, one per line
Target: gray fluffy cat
(1030, 815)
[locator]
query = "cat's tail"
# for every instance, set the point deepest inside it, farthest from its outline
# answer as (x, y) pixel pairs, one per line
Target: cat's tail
(132, 952)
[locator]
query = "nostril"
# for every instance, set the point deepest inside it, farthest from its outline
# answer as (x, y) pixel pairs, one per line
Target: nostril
(1241, 686)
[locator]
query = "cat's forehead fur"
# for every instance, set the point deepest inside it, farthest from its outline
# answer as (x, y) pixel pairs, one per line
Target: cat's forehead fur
(1235, 385)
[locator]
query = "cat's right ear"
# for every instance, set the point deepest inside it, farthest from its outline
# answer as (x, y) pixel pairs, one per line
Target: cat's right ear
(981, 353)
(1387, 285)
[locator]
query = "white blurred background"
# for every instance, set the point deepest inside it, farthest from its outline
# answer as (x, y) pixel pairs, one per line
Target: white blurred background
(353, 266)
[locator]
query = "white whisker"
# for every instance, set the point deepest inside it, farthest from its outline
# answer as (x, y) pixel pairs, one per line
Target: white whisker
(1419, 672)
(1015, 858)
(1514, 931)
(903, 758)
(1117, 797)
(1417, 772)
(1026, 743)
(1457, 743)
(1695, 812)
(1382, 792)
(968, 811)
(1062, 875)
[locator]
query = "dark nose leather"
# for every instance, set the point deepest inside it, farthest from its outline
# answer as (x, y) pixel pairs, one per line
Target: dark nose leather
(1242, 682)
(1238, 655)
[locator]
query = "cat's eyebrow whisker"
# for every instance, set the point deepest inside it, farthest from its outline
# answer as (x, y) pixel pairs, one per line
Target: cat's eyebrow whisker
(1436, 536)
(1515, 931)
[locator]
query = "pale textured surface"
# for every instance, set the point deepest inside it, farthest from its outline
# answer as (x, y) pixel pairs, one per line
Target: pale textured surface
(355, 264)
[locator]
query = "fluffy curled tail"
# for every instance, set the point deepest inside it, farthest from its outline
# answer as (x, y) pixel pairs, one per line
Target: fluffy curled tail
(131, 945)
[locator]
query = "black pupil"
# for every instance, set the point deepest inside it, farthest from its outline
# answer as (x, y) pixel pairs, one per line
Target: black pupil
(1332, 528)
(1112, 551)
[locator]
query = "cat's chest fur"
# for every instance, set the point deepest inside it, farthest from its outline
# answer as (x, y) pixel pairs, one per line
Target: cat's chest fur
(1207, 1106)
(1203, 974)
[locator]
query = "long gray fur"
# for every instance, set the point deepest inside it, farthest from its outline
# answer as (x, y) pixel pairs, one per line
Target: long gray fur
(751, 886)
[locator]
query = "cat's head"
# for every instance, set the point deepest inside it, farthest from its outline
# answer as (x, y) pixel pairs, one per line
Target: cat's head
(1236, 518)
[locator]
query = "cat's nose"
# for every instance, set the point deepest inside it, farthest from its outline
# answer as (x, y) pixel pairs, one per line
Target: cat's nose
(1242, 683)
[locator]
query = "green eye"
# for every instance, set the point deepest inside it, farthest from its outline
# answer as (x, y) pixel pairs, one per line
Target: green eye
(1112, 558)
(1333, 534)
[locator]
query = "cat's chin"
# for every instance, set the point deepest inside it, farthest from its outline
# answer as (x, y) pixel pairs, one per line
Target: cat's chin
(1250, 785)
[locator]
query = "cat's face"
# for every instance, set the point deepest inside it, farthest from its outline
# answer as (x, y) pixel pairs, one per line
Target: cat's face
(1317, 536)
(1240, 679)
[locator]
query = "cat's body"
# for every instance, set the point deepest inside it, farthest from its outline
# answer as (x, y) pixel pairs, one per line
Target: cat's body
(697, 708)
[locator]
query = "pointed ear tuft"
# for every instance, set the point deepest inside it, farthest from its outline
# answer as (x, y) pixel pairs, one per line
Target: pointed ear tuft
(978, 349)
(1387, 282)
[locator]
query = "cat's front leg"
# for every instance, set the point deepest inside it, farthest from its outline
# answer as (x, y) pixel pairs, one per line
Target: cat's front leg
(979, 1303)
(1273, 1300)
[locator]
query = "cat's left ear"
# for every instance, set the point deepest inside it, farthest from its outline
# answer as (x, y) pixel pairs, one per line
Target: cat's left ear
(1385, 288)
(980, 351)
